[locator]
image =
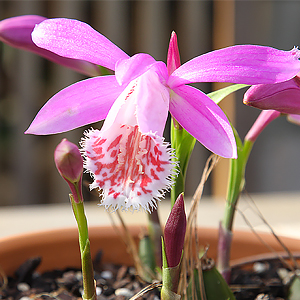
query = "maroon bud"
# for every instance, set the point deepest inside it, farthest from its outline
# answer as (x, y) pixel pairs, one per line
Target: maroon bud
(174, 233)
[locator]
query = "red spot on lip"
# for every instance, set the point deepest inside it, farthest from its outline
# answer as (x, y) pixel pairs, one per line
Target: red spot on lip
(154, 175)
(116, 195)
(131, 91)
(113, 153)
(115, 142)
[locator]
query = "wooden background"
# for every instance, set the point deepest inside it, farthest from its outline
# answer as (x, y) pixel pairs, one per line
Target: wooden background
(27, 171)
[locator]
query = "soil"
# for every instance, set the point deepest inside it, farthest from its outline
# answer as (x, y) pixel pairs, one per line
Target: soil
(266, 279)
(113, 282)
(262, 280)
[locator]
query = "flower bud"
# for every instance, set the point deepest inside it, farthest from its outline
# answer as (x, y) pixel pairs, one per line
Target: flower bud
(174, 233)
(283, 96)
(16, 32)
(69, 164)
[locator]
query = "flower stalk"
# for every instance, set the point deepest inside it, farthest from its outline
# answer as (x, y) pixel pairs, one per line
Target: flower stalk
(235, 186)
(69, 164)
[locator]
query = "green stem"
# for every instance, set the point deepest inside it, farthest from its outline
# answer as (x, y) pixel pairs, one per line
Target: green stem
(155, 233)
(235, 186)
(236, 183)
(183, 143)
(89, 292)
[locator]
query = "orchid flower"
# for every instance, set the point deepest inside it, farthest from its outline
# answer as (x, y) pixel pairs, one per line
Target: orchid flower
(16, 32)
(128, 157)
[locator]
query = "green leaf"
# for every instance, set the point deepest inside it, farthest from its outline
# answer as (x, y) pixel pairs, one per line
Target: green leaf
(146, 254)
(214, 284)
(170, 278)
(219, 95)
(294, 291)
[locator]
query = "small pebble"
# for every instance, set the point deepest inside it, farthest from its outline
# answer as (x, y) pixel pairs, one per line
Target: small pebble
(78, 275)
(124, 292)
(98, 290)
(23, 287)
(260, 267)
(107, 274)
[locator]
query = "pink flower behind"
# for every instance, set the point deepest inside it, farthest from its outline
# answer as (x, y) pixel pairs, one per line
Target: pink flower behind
(16, 32)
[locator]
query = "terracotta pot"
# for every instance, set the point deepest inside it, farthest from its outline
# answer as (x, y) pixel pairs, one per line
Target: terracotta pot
(59, 248)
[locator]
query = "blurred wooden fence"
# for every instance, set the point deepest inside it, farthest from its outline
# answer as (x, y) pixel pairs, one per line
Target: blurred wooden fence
(27, 171)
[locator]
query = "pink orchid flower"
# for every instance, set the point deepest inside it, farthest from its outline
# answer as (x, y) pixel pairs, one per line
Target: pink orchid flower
(128, 158)
(16, 32)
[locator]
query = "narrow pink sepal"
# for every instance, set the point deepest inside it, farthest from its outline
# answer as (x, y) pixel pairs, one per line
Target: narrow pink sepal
(174, 233)
(204, 120)
(173, 59)
(283, 96)
(264, 118)
(247, 64)
(75, 39)
(16, 32)
(81, 103)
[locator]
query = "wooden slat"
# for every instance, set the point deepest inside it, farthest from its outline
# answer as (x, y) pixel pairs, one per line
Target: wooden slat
(223, 36)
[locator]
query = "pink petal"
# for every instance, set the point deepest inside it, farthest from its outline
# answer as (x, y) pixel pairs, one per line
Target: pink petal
(16, 32)
(246, 64)
(132, 169)
(75, 39)
(152, 103)
(203, 119)
(128, 69)
(82, 103)
(144, 102)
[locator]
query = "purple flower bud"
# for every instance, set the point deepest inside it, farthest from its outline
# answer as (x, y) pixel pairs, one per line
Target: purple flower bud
(283, 96)
(174, 233)
(69, 164)
(16, 32)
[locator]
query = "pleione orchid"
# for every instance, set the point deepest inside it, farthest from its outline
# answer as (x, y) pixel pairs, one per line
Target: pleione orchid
(128, 158)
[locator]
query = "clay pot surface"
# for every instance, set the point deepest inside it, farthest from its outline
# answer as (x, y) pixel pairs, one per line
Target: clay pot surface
(59, 248)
